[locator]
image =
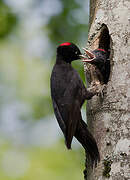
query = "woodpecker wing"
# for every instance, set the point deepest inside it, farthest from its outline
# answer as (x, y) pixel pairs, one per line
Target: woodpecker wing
(67, 116)
(59, 117)
(67, 104)
(74, 118)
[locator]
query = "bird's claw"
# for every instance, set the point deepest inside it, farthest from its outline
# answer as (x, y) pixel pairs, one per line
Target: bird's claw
(100, 90)
(97, 88)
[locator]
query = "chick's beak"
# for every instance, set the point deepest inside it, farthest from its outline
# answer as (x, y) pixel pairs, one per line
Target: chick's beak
(88, 57)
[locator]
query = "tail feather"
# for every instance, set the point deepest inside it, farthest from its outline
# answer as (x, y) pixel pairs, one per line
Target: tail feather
(88, 142)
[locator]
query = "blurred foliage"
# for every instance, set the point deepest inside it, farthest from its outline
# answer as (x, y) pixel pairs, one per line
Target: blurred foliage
(78, 65)
(26, 79)
(66, 26)
(8, 20)
(43, 164)
(29, 78)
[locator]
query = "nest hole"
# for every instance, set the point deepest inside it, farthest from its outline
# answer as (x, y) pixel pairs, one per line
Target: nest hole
(105, 43)
(104, 38)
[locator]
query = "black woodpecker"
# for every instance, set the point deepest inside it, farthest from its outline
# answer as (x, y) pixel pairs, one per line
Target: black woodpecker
(68, 95)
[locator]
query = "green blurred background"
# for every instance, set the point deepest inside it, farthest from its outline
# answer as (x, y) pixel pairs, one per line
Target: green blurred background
(31, 143)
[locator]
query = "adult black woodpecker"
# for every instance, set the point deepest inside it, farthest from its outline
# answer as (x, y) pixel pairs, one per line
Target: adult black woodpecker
(99, 58)
(68, 95)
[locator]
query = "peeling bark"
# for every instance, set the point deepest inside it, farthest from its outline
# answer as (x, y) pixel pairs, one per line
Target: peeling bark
(109, 116)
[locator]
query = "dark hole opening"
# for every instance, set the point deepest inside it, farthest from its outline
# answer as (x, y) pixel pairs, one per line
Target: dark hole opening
(104, 43)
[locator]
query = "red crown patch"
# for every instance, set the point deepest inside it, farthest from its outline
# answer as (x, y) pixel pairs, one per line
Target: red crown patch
(65, 44)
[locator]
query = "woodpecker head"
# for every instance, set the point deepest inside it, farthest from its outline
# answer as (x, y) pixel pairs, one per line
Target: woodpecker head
(68, 52)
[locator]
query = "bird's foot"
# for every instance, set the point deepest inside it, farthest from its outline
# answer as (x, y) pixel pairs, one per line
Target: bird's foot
(101, 90)
(98, 88)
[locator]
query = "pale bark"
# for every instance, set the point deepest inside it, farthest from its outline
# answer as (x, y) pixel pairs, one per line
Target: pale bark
(109, 117)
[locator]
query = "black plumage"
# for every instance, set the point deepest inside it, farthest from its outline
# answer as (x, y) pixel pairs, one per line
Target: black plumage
(68, 95)
(99, 58)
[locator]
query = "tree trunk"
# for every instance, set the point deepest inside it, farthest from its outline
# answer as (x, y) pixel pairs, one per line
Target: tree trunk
(108, 116)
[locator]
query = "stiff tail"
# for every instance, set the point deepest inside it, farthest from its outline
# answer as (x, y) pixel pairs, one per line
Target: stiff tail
(88, 142)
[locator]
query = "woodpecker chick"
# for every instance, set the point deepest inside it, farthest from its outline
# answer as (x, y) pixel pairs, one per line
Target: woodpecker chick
(99, 58)
(68, 95)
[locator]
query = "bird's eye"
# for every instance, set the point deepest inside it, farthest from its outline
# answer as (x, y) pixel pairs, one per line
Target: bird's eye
(76, 52)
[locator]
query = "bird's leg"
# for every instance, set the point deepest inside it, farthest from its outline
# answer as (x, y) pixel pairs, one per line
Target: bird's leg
(102, 90)
(98, 88)
(94, 87)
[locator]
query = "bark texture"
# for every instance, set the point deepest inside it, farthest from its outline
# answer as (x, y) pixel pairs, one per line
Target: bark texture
(109, 116)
